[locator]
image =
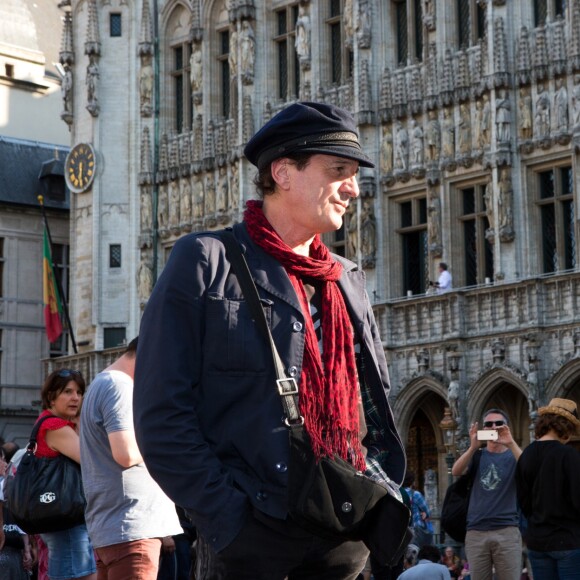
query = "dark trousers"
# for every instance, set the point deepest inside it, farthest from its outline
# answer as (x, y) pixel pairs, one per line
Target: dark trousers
(270, 549)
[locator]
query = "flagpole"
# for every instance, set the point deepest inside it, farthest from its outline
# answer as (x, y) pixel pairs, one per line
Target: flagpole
(63, 302)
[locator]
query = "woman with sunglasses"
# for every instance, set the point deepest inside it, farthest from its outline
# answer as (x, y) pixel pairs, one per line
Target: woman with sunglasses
(70, 553)
(548, 480)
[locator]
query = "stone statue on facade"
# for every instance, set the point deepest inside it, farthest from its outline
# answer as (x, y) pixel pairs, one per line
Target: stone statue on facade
(197, 197)
(417, 145)
(503, 117)
(542, 117)
(235, 186)
(401, 147)
(363, 24)
(561, 106)
(222, 191)
(368, 235)
(92, 83)
(352, 233)
(233, 52)
(66, 88)
(248, 51)
(195, 64)
(453, 398)
(386, 163)
(434, 223)
(174, 204)
(144, 280)
(209, 194)
(448, 135)
(464, 129)
(433, 138)
(348, 21)
(533, 389)
(163, 209)
(576, 102)
(505, 205)
(477, 125)
(488, 200)
(486, 121)
(302, 42)
(185, 203)
(146, 210)
(525, 114)
(146, 86)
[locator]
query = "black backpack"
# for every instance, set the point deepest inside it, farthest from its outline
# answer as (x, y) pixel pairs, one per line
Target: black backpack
(456, 502)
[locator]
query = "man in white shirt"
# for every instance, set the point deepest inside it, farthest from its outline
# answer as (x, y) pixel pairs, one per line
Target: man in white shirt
(443, 283)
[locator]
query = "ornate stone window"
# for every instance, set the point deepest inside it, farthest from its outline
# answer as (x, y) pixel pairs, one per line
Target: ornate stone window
(545, 10)
(286, 56)
(474, 223)
(408, 18)
(223, 53)
(470, 22)
(414, 244)
(177, 65)
(340, 55)
(555, 201)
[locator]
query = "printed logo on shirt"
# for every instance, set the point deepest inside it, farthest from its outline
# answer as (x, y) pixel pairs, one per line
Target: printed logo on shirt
(490, 480)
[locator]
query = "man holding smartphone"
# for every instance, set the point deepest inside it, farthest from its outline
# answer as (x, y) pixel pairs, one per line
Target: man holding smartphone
(493, 538)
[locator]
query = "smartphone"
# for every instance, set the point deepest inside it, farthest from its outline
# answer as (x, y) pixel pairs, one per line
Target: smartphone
(487, 435)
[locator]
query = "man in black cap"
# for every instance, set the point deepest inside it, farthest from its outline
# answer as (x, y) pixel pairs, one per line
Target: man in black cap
(208, 416)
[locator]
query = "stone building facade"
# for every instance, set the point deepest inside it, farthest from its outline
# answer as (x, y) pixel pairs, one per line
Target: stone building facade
(471, 110)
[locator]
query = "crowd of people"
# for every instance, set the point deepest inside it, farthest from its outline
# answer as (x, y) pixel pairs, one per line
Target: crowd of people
(196, 433)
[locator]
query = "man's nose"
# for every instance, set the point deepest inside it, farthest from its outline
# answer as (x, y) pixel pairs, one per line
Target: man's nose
(350, 187)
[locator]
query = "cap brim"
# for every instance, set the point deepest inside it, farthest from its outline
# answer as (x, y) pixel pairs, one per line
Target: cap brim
(345, 152)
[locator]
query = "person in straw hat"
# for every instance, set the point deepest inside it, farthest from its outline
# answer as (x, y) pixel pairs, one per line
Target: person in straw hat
(548, 488)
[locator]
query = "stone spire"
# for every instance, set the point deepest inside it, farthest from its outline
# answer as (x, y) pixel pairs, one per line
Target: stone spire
(146, 163)
(196, 28)
(558, 48)
(462, 84)
(163, 159)
(365, 98)
(448, 80)
(540, 58)
(500, 56)
(66, 54)
(198, 138)
(93, 41)
(174, 157)
(146, 37)
(524, 59)
(574, 42)
(431, 80)
(209, 144)
(386, 104)
(248, 118)
(184, 154)
(416, 90)
(400, 94)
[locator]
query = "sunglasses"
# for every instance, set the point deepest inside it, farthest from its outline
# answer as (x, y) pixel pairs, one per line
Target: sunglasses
(488, 424)
(69, 373)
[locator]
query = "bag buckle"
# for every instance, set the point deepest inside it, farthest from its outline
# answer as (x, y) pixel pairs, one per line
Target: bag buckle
(287, 386)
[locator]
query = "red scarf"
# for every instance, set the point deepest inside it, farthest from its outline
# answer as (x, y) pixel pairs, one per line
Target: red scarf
(329, 384)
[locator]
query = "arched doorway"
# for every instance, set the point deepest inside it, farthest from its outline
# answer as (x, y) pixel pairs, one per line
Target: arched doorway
(421, 446)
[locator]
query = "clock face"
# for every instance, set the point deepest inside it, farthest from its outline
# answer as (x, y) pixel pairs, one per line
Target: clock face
(80, 167)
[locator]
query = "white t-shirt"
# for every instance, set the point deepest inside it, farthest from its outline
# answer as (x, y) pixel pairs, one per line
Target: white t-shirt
(444, 282)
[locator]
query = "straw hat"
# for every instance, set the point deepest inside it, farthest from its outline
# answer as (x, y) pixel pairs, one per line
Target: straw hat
(564, 407)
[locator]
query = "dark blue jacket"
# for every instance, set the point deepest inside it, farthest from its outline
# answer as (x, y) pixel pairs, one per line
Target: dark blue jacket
(208, 416)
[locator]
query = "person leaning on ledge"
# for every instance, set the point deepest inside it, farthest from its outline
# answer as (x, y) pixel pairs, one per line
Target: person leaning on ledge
(208, 416)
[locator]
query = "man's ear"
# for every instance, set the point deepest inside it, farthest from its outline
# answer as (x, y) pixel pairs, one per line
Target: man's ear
(280, 173)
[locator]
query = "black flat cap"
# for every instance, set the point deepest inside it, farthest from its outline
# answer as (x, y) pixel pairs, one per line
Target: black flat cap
(306, 128)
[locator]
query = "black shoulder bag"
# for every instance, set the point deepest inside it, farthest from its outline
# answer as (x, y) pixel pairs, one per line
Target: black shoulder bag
(46, 494)
(329, 496)
(456, 502)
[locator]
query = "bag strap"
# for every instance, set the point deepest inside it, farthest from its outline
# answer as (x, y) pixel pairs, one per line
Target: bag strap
(287, 386)
(473, 466)
(32, 443)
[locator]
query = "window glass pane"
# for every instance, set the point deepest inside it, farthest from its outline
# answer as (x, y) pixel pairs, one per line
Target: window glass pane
(113, 337)
(115, 256)
(569, 237)
(282, 70)
(281, 22)
(225, 88)
(414, 261)
(179, 103)
(480, 21)
(225, 42)
(468, 201)
(488, 252)
(418, 30)
(423, 210)
(559, 7)
(402, 33)
(334, 8)
(115, 24)
(540, 12)
(549, 249)
(463, 22)
(566, 180)
(336, 47)
(546, 184)
(407, 214)
(470, 243)
(178, 58)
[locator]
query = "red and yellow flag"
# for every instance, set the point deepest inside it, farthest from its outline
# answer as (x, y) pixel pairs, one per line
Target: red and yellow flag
(52, 307)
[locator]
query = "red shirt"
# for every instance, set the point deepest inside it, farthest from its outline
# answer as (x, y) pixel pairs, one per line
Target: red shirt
(42, 449)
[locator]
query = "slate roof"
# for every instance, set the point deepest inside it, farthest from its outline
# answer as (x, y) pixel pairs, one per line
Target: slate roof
(21, 165)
